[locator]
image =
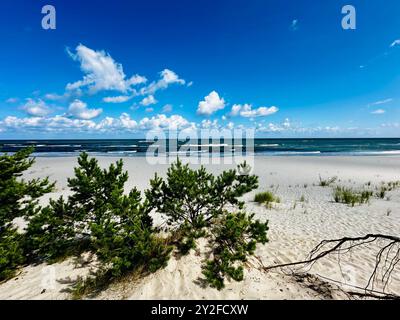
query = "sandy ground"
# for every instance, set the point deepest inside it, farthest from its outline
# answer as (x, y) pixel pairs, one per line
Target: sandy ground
(295, 228)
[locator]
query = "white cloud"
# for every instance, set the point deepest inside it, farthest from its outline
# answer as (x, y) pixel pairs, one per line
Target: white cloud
(236, 109)
(37, 108)
(167, 108)
(53, 96)
(391, 125)
(395, 43)
(12, 100)
(14, 122)
(247, 111)
(158, 122)
(124, 122)
(294, 25)
(380, 102)
(161, 121)
(287, 124)
(57, 124)
(278, 127)
(211, 104)
(378, 111)
(64, 97)
(147, 101)
(167, 78)
(101, 72)
(136, 80)
(78, 109)
(117, 99)
(208, 124)
(288, 129)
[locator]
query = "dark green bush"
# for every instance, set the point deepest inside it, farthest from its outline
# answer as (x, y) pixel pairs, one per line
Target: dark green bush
(195, 203)
(100, 218)
(51, 233)
(124, 237)
(192, 198)
(18, 198)
(11, 252)
(234, 236)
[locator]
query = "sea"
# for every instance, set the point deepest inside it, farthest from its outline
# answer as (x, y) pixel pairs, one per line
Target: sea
(269, 147)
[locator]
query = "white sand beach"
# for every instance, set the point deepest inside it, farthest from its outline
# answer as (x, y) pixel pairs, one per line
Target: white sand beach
(295, 228)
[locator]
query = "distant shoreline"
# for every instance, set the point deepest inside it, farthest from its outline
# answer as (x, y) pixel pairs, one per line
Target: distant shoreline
(195, 147)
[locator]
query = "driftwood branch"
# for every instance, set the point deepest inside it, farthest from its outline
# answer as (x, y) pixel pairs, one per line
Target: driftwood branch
(386, 259)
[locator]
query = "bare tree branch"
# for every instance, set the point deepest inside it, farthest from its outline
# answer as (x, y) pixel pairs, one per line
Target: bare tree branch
(385, 260)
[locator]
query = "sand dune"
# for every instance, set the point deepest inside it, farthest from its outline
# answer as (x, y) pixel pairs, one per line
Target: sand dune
(295, 228)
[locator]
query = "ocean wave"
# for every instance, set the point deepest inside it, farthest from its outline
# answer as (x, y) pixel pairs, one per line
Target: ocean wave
(58, 145)
(14, 145)
(387, 152)
(268, 145)
(278, 153)
(121, 152)
(208, 145)
(187, 151)
(120, 146)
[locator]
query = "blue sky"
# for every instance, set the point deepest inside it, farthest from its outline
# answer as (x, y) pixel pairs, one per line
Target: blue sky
(119, 68)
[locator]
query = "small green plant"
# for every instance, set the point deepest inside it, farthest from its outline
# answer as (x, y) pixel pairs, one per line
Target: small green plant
(382, 192)
(326, 182)
(386, 187)
(267, 198)
(350, 196)
(302, 198)
(234, 238)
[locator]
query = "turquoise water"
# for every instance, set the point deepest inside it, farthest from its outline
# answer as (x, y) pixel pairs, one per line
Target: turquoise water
(139, 147)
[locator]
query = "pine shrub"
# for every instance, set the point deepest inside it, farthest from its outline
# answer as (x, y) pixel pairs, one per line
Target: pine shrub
(18, 198)
(192, 198)
(234, 236)
(100, 218)
(195, 203)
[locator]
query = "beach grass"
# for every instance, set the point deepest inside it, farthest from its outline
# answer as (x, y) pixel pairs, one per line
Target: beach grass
(351, 197)
(267, 198)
